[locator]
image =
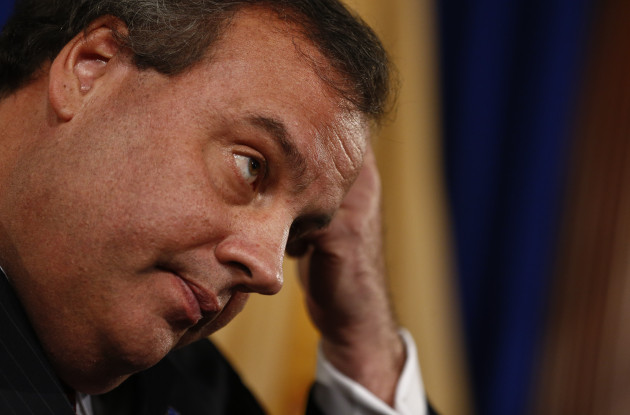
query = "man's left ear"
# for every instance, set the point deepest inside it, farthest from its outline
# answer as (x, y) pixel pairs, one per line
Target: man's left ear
(81, 64)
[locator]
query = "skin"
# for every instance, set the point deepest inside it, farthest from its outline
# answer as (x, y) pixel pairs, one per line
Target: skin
(138, 211)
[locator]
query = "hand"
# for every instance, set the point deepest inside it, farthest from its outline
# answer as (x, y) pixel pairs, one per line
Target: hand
(342, 270)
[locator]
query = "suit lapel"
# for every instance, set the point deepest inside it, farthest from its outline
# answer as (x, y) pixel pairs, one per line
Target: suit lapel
(28, 384)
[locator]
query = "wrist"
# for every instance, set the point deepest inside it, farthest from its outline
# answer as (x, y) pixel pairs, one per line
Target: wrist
(376, 362)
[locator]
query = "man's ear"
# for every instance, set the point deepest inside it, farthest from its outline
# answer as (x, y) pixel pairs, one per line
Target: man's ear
(81, 64)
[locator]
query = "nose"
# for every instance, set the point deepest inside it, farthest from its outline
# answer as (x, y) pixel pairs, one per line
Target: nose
(255, 254)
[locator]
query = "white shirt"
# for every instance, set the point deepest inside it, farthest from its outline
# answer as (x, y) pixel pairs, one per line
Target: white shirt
(336, 393)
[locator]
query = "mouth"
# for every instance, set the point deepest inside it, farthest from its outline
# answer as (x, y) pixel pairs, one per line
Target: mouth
(206, 301)
(199, 304)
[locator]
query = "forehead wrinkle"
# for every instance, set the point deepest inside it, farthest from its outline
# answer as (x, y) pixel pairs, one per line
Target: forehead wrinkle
(349, 151)
(294, 156)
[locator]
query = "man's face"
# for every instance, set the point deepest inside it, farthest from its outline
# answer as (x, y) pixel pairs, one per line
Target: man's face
(145, 221)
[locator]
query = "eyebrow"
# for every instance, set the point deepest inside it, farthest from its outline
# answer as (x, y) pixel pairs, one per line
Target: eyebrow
(294, 156)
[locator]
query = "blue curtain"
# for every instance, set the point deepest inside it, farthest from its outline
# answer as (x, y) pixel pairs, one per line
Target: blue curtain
(510, 72)
(5, 9)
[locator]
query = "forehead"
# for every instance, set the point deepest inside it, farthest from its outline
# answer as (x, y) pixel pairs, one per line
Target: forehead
(263, 69)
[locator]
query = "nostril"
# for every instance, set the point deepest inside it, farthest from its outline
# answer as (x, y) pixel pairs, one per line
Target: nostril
(256, 279)
(242, 267)
(255, 266)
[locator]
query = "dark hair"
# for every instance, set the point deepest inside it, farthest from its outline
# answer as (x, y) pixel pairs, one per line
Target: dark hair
(172, 35)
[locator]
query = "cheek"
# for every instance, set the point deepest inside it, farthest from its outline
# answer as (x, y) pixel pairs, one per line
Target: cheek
(71, 203)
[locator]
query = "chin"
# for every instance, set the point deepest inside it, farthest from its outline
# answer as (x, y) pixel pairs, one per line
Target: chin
(98, 388)
(121, 362)
(110, 375)
(103, 372)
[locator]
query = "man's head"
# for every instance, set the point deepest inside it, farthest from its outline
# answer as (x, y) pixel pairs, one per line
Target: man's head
(170, 36)
(139, 205)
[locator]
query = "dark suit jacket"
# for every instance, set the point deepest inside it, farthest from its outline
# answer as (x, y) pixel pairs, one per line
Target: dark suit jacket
(194, 380)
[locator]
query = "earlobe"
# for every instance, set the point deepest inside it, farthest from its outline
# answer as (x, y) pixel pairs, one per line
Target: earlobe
(81, 64)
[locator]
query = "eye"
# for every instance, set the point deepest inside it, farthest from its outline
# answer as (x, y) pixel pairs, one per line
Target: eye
(250, 169)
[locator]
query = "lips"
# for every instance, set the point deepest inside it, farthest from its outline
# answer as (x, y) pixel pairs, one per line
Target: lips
(198, 303)
(191, 310)
(206, 301)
